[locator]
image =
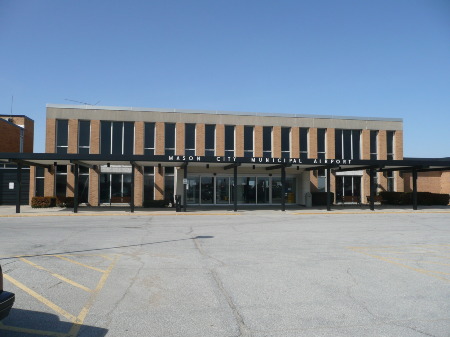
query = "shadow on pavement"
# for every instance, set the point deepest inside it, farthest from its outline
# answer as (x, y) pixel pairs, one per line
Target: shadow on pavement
(23, 323)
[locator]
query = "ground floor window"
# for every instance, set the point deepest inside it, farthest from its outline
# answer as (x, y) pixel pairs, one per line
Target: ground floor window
(149, 183)
(40, 174)
(83, 185)
(114, 185)
(61, 180)
(390, 181)
(250, 190)
(348, 186)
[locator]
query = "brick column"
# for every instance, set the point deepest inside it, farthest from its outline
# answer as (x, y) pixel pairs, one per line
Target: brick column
(70, 188)
(95, 137)
(333, 185)
(295, 142)
(220, 140)
(159, 184)
(239, 141)
(365, 187)
(382, 181)
(258, 139)
(139, 138)
(50, 136)
(49, 182)
(73, 136)
(312, 143)
(179, 139)
(138, 186)
(200, 139)
(382, 145)
(32, 190)
(94, 176)
(276, 141)
(313, 181)
(159, 139)
(330, 146)
(398, 155)
(365, 144)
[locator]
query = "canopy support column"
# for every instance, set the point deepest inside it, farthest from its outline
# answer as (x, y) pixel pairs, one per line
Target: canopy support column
(133, 166)
(328, 189)
(235, 188)
(19, 186)
(414, 176)
(372, 189)
(75, 188)
(185, 172)
(283, 188)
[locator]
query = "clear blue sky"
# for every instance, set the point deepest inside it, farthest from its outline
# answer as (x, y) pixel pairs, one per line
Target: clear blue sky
(383, 58)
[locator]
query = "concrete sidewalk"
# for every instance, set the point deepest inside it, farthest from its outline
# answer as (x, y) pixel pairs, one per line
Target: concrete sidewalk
(10, 211)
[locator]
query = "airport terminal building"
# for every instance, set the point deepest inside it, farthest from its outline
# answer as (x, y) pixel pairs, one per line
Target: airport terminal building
(203, 152)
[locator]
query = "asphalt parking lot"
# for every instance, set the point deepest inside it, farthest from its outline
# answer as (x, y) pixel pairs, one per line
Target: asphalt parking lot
(261, 273)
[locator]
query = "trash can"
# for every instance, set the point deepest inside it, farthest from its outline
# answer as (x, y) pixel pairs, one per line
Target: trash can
(178, 203)
(308, 199)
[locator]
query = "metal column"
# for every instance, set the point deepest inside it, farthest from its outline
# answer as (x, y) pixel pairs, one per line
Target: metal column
(75, 193)
(414, 176)
(283, 188)
(372, 189)
(19, 186)
(185, 186)
(235, 188)
(132, 188)
(328, 189)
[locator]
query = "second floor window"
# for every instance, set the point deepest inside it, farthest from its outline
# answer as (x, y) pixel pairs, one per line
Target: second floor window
(169, 139)
(347, 144)
(373, 145)
(116, 137)
(229, 140)
(210, 139)
(189, 139)
(84, 136)
(62, 135)
(267, 141)
(248, 141)
(321, 143)
(390, 145)
(149, 139)
(303, 143)
(285, 142)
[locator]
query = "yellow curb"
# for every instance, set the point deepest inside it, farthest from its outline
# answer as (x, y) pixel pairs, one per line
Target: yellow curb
(374, 212)
(112, 214)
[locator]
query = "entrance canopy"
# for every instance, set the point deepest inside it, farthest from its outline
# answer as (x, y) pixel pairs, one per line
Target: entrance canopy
(48, 160)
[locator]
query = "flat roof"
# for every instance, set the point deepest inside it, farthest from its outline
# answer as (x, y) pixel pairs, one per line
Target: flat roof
(218, 112)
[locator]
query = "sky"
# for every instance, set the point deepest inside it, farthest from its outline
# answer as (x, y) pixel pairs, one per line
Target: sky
(383, 58)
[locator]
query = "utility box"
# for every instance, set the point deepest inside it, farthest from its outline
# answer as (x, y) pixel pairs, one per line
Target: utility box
(178, 203)
(308, 199)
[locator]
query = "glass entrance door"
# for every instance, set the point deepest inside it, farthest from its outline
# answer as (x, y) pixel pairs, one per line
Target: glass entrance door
(348, 186)
(263, 190)
(222, 190)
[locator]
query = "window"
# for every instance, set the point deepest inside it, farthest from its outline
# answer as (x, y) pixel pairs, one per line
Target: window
(390, 181)
(267, 141)
(347, 144)
(149, 183)
(189, 139)
(61, 180)
(40, 174)
(373, 145)
(321, 143)
(169, 139)
(84, 137)
(285, 142)
(390, 145)
(229, 140)
(248, 141)
(169, 184)
(62, 135)
(116, 137)
(210, 139)
(321, 180)
(83, 185)
(303, 143)
(149, 139)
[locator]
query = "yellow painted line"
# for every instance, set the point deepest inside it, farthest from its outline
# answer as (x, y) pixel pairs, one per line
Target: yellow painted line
(60, 277)
(41, 299)
(421, 261)
(83, 313)
(371, 212)
(31, 331)
(113, 214)
(396, 247)
(419, 270)
(78, 263)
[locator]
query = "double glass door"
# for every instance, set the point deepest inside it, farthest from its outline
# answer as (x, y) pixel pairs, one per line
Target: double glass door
(348, 186)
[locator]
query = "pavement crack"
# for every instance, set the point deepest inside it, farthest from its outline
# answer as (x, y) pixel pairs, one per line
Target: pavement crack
(244, 331)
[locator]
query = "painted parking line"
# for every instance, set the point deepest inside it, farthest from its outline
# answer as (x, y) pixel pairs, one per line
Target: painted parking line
(377, 253)
(62, 257)
(76, 320)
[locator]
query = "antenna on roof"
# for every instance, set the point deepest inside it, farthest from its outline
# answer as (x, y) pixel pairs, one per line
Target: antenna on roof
(71, 100)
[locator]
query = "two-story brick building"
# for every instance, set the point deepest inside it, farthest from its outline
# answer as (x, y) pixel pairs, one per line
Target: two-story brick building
(124, 131)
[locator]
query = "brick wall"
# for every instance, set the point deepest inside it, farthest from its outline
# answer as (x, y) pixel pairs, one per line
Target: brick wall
(138, 186)
(239, 141)
(276, 141)
(295, 143)
(50, 136)
(365, 144)
(94, 176)
(9, 137)
(159, 138)
(73, 136)
(139, 138)
(312, 143)
(330, 149)
(179, 138)
(220, 140)
(200, 139)
(258, 146)
(159, 183)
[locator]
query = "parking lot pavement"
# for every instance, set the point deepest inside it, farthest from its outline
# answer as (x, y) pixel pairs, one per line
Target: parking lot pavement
(259, 274)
